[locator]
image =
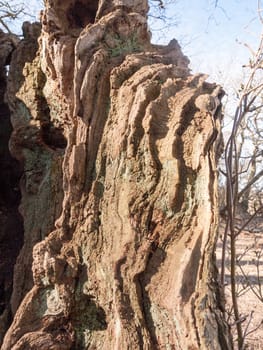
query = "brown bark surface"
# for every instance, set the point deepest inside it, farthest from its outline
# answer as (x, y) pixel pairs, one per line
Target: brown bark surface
(11, 224)
(118, 143)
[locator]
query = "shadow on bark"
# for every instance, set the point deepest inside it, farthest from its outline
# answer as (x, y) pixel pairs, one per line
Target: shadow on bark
(155, 259)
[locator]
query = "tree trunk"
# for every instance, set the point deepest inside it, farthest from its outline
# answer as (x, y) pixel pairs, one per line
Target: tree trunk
(11, 224)
(127, 223)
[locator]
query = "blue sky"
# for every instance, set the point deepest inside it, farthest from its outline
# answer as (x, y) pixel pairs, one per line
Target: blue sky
(213, 37)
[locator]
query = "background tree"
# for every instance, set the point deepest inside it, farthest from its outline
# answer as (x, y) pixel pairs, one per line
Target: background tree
(11, 11)
(243, 171)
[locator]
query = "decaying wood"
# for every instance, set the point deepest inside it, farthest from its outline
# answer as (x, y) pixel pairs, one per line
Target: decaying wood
(119, 144)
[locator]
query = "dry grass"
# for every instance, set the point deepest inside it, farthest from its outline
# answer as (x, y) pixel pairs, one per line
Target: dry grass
(249, 277)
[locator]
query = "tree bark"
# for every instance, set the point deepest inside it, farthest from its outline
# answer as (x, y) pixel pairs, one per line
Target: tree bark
(11, 225)
(127, 223)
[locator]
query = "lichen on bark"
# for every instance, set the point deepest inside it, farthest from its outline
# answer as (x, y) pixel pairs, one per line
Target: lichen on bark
(125, 190)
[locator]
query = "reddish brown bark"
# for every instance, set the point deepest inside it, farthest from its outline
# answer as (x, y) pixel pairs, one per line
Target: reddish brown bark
(130, 261)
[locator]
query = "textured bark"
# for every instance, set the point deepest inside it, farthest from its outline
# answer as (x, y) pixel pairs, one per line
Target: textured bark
(40, 183)
(127, 223)
(11, 226)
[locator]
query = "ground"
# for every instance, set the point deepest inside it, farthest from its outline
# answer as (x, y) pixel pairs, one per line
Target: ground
(249, 249)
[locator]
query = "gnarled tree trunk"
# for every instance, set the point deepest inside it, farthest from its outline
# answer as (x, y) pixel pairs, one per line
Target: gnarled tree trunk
(118, 143)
